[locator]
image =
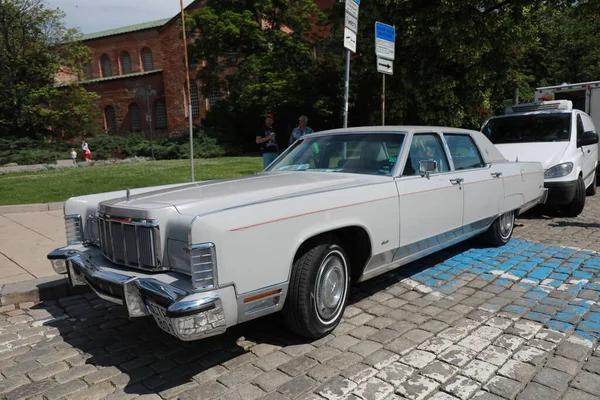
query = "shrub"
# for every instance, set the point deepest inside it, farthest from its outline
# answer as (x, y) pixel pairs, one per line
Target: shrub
(108, 147)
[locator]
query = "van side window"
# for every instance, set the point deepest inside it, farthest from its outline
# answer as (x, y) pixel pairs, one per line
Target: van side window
(464, 152)
(580, 128)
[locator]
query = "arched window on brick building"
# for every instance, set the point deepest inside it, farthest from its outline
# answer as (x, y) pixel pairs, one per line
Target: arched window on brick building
(136, 121)
(147, 61)
(161, 114)
(87, 71)
(213, 97)
(109, 119)
(105, 66)
(125, 63)
(195, 99)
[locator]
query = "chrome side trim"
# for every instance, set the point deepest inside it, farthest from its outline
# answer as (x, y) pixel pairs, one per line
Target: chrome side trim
(381, 263)
(250, 310)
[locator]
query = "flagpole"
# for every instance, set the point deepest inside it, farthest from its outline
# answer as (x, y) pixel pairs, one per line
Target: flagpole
(189, 92)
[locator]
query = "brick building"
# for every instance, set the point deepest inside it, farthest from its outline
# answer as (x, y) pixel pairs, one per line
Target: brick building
(139, 73)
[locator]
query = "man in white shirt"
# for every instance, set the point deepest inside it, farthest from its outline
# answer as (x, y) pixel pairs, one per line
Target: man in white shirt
(300, 130)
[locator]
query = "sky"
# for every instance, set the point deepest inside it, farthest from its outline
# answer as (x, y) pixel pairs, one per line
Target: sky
(97, 15)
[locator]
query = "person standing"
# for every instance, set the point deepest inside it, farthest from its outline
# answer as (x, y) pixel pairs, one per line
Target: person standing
(87, 155)
(301, 130)
(84, 146)
(74, 156)
(268, 143)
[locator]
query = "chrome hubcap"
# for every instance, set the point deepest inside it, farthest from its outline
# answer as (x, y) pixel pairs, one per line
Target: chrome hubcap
(330, 287)
(507, 221)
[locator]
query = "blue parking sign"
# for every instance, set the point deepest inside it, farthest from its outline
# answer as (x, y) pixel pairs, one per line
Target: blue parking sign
(385, 40)
(385, 32)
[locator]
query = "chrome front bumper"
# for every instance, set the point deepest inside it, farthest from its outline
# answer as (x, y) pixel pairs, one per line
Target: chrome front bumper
(183, 314)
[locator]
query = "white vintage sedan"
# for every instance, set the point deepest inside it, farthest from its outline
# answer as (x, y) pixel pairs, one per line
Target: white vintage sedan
(337, 207)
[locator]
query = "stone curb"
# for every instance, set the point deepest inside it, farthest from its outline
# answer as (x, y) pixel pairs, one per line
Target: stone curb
(36, 290)
(23, 208)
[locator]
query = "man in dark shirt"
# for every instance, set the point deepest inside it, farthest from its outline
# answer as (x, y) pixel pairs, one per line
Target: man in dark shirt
(268, 144)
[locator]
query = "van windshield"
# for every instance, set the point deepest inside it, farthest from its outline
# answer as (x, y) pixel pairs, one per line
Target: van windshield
(529, 128)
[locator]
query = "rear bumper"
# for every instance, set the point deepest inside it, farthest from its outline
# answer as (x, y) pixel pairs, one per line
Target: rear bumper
(544, 197)
(560, 193)
(186, 315)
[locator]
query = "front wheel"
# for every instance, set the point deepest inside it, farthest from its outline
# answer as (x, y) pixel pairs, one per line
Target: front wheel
(500, 232)
(318, 290)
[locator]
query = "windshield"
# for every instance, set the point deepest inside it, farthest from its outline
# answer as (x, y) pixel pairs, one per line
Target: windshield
(529, 128)
(361, 153)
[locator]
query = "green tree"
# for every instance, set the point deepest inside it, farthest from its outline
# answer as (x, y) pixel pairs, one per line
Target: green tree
(260, 56)
(456, 63)
(567, 47)
(35, 46)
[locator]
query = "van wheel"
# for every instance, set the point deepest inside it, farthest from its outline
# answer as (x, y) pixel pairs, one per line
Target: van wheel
(591, 190)
(576, 206)
(318, 291)
(500, 232)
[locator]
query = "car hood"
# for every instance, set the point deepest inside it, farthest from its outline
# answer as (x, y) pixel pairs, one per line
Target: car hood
(547, 153)
(210, 196)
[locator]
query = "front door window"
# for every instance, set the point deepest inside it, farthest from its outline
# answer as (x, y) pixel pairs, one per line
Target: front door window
(425, 147)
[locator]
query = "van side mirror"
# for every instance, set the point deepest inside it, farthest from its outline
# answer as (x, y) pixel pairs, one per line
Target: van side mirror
(426, 167)
(588, 138)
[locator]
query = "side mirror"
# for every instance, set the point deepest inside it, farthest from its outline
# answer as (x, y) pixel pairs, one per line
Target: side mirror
(588, 138)
(426, 167)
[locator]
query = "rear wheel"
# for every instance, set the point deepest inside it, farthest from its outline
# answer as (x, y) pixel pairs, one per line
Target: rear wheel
(575, 208)
(591, 190)
(500, 232)
(318, 290)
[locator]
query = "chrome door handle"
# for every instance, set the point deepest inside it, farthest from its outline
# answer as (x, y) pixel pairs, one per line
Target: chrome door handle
(456, 181)
(496, 174)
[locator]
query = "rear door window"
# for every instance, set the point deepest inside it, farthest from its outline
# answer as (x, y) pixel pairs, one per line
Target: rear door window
(464, 152)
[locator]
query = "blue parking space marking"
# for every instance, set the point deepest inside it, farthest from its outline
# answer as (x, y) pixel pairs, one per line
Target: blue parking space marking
(556, 286)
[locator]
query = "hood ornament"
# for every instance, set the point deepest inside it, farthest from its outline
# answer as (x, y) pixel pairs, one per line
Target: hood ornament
(128, 194)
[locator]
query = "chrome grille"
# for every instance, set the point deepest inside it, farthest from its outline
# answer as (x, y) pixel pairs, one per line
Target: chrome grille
(131, 243)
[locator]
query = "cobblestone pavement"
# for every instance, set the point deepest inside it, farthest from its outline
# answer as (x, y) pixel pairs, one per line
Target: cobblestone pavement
(519, 322)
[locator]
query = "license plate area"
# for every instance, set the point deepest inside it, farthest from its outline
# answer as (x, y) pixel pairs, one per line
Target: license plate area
(160, 316)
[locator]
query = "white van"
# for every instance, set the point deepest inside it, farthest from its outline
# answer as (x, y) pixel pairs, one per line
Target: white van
(584, 95)
(563, 139)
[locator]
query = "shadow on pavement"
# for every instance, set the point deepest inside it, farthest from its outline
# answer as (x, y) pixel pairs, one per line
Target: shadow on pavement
(563, 224)
(142, 359)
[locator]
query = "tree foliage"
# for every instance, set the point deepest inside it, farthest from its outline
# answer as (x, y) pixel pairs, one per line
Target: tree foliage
(34, 47)
(457, 61)
(260, 57)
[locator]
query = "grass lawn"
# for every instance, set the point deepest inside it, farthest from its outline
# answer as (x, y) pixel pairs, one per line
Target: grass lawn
(51, 186)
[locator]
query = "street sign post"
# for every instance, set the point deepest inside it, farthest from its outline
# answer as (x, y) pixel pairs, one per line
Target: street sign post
(385, 40)
(350, 31)
(349, 39)
(351, 22)
(385, 66)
